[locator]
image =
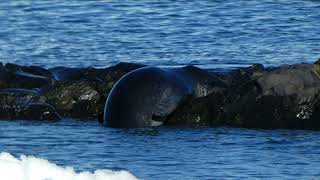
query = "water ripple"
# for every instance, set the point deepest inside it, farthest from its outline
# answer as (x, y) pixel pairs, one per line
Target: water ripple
(166, 153)
(167, 33)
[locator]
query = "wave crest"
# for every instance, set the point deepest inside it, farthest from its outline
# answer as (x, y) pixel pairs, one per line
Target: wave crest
(29, 167)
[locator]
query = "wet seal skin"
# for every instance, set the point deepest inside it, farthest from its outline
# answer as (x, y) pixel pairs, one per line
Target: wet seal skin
(146, 96)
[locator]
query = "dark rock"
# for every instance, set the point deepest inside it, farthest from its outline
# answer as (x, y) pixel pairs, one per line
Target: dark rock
(284, 97)
(74, 92)
(275, 112)
(72, 99)
(31, 111)
(102, 80)
(18, 79)
(204, 83)
(317, 62)
(16, 96)
(38, 111)
(28, 81)
(300, 80)
(5, 78)
(117, 71)
(112, 73)
(68, 74)
(34, 70)
(254, 97)
(205, 108)
(17, 104)
(203, 111)
(243, 75)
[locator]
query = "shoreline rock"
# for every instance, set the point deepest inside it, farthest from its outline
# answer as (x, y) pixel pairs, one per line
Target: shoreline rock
(284, 97)
(254, 97)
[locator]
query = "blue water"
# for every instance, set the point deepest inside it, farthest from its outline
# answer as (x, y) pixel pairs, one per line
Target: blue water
(208, 34)
(169, 153)
(211, 34)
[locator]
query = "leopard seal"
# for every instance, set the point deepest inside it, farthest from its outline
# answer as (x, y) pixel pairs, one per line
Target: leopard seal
(145, 96)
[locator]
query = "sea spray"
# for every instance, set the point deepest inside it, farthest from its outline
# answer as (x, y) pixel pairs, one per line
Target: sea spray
(33, 168)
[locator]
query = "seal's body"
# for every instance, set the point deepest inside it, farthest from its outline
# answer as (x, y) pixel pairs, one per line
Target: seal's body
(144, 97)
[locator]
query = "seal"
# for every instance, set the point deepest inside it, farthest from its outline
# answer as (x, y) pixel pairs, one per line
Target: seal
(145, 96)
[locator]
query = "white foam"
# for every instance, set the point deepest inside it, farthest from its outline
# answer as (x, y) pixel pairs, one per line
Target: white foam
(32, 168)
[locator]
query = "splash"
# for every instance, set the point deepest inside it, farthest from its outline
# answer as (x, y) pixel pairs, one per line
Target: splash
(32, 168)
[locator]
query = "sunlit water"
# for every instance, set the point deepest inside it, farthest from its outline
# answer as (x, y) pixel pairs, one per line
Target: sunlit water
(208, 34)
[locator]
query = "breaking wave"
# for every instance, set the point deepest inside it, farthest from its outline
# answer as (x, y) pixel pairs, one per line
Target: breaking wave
(29, 167)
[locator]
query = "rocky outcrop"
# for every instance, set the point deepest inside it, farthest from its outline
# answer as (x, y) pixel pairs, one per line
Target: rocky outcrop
(17, 104)
(253, 97)
(31, 92)
(77, 99)
(284, 97)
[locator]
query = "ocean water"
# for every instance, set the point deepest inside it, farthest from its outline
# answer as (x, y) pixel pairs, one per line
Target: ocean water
(211, 34)
(168, 153)
(208, 34)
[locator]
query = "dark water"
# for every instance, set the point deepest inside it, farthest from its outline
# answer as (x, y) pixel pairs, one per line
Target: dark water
(209, 34)
(169, 153)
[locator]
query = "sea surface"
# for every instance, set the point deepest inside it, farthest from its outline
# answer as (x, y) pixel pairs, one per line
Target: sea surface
(212, 34)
